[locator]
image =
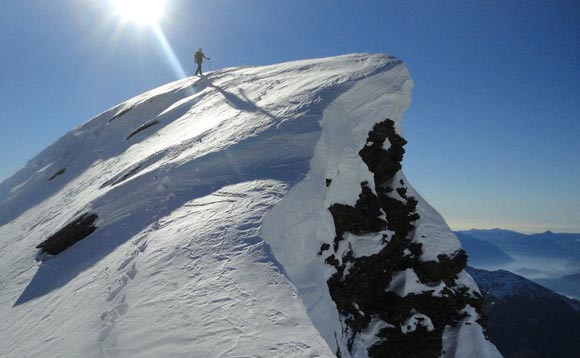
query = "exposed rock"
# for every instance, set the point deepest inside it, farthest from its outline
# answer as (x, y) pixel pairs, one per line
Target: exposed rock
(361, 219)
(72, 233)
(383, 163)
(445, 269)
(126, 174)
(359, 286)
(120, 113)
(143, 127)
(57, 174)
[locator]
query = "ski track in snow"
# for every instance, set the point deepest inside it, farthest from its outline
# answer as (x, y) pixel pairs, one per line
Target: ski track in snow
(181, 178)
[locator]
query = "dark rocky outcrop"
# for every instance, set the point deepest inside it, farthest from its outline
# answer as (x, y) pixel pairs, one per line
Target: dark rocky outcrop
(359, 285)
(143, 127)
(120, 113)
(57, 174)
(72, 233)
(361, 219)
(383, 163)
(126, 174)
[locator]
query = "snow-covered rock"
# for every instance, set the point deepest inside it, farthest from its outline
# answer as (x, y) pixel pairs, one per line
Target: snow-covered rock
(256, 212)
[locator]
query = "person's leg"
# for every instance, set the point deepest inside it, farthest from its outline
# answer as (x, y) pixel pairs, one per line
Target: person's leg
(198, 70)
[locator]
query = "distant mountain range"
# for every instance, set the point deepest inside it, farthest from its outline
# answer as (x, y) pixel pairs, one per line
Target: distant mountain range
(568, 285)
(526, 320)
(549, 259)
(483, 253)
(546, 245)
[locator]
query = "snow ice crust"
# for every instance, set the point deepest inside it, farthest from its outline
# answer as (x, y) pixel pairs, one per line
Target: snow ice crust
(212, 207)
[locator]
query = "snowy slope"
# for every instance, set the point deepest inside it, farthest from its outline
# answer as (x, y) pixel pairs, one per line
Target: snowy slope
(211, 198)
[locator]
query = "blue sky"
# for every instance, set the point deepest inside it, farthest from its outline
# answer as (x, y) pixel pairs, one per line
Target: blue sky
(493, 128)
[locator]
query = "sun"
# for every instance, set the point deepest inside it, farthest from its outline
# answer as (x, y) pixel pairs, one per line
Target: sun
(140, 12)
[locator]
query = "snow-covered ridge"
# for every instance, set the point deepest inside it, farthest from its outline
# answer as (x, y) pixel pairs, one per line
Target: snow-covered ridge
(382, 251)
(208, 201)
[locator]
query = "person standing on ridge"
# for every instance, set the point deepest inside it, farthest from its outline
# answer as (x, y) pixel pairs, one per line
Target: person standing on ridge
(199, 56)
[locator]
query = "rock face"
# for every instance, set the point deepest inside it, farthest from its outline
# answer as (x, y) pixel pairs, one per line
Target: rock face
(72, 233)
(363, 288)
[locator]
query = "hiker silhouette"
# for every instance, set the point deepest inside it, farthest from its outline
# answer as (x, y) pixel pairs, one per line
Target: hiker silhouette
(199, 56)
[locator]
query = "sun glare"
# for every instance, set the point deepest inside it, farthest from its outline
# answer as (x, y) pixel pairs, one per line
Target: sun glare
(141, 12)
